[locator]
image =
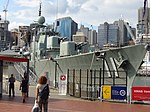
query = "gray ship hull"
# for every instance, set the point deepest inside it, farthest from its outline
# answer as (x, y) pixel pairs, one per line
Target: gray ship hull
(127, 58)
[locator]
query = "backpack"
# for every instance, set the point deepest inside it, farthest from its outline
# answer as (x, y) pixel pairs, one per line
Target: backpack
(44, 93)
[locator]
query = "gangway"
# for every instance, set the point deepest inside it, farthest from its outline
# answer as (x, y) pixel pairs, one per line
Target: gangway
(21, 68)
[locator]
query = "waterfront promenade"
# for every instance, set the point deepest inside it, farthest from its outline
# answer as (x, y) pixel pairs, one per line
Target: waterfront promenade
(59, 103)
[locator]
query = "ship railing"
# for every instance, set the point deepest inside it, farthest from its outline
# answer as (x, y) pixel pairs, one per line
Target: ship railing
(88, 84)
(21, 68)
(32, 76)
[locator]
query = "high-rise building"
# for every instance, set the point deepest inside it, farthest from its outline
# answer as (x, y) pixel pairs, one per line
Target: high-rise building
(92, 39)
(85, 31)
(126, 32)
(5, 35)
(143, 26)
(66, 27)
(119, 33)
(91, 35)
(107, 34)
(122, 36)
(15, 36)
(79, 37)
(23, 35)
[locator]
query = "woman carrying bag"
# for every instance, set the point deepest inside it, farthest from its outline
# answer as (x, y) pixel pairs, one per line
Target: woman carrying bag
(42, 94)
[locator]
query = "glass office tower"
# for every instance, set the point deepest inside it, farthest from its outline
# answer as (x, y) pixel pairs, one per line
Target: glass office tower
(66, 27)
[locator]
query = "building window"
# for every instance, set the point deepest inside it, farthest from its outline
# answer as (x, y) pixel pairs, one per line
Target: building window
(57, 23)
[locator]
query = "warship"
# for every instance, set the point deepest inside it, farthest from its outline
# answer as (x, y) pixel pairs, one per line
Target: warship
(53, 56)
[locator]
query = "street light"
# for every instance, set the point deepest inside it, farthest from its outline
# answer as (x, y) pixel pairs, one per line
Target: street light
(55, 70)
(56, 65)
(101, 55)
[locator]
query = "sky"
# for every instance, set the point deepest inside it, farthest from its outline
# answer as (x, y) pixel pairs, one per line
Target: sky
(85, 12)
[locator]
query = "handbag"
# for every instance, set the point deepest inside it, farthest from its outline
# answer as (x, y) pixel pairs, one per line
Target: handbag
(35, 108)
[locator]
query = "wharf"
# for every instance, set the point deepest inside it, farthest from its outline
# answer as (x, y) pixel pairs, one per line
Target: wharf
(61, 103)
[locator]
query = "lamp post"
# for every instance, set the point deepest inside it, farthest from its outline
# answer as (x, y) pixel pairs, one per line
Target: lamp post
(101, 55)
(55, 71)
(103, 69)
(55, 74)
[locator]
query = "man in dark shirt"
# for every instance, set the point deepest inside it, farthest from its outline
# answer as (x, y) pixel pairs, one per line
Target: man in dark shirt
(11, 85)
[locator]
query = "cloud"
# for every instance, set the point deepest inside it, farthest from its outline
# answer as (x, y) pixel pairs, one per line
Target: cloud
(93, 12)
(74, 6)
(96, 12)
(27, 3)
(15, 25)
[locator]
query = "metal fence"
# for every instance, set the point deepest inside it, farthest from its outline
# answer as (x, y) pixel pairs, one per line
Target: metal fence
(87, 83)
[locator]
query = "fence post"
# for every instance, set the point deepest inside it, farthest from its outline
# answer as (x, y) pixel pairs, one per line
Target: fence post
(103, 71)
(87, 84)
(80, 84)
(100, 82)
(68, 81)
(73, 81)
(113, 78)
(95, 84)
(126, 79)
(91, 83)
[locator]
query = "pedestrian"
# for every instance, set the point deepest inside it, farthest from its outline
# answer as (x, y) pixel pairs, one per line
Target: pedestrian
(24, 88)
(11, 85)
(42, 93)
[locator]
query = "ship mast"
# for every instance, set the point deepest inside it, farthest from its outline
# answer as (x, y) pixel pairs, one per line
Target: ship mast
(40, 9)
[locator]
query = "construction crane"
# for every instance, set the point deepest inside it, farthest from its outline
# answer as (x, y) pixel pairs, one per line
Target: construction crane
(5, 9)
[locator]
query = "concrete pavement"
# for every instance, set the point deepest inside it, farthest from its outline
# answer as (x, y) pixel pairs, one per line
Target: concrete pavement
(61, 103)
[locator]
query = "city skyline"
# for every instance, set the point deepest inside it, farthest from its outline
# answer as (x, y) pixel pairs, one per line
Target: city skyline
(86, 12)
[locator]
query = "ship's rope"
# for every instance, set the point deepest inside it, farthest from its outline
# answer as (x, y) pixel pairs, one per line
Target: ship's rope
(92, 61)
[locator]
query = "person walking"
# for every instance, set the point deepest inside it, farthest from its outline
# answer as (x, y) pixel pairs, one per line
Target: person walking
(42, 93)
(11, 85)
(24, 88)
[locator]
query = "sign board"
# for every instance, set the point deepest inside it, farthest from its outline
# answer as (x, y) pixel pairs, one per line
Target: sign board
(140, 93)
(63, 84)
(63, 77)
(106, 92)
(118, 92)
